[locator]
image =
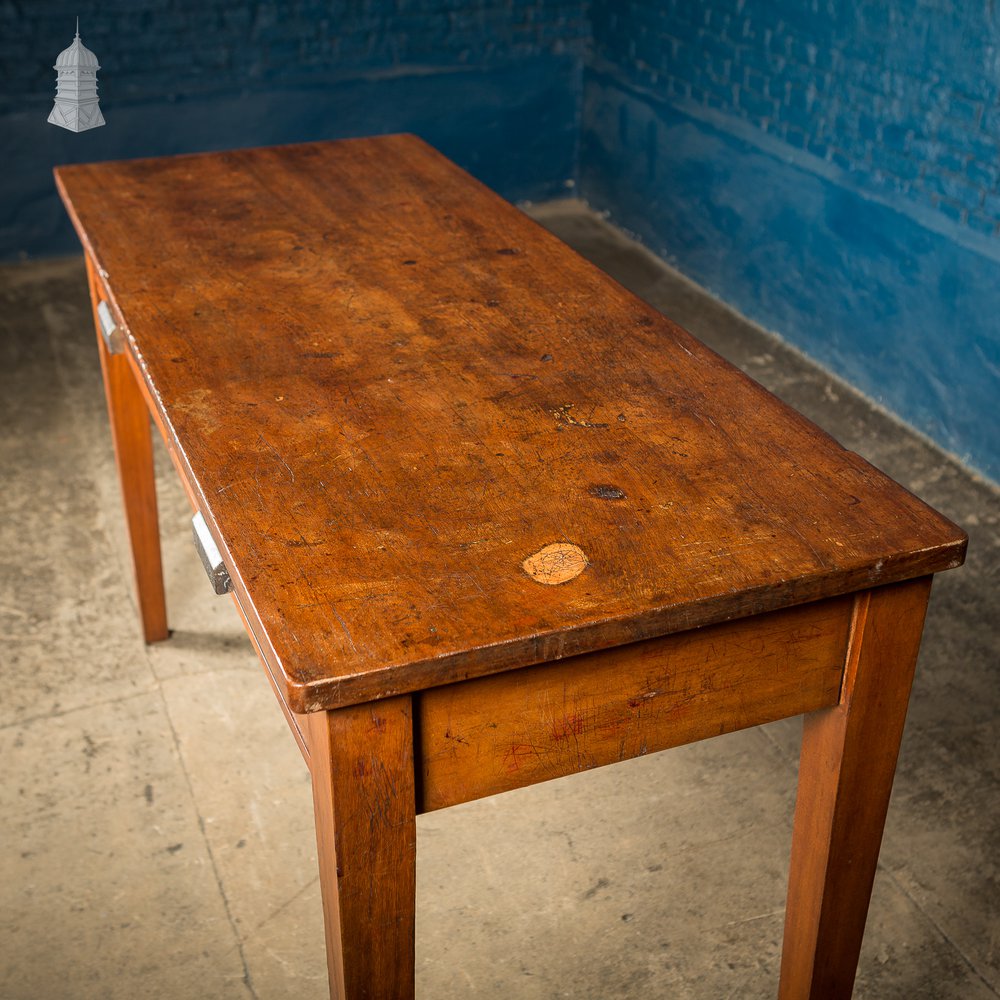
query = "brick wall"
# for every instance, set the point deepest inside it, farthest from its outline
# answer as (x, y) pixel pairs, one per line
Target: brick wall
(903, 95)
(495, 84)
(175, 48)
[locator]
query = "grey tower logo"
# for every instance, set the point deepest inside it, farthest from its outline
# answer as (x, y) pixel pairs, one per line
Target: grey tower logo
(76, 106)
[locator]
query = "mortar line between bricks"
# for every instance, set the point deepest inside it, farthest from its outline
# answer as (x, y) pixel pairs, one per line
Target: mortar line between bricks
(923, 213)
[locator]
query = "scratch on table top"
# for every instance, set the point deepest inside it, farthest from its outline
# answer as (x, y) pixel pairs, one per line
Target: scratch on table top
(277, 455)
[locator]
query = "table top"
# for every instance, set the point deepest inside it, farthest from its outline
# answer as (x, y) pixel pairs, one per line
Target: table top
(433, 442)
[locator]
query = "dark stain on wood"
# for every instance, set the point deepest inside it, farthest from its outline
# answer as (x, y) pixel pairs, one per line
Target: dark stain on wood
(604, 491)
(564, 415)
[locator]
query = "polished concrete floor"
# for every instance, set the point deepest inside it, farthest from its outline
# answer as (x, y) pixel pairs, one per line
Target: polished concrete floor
(155, 816)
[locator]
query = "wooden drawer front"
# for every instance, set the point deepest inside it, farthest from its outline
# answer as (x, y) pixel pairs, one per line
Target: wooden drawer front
(492, 734)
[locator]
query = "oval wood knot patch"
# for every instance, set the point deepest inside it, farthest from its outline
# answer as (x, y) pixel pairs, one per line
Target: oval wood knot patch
(559, 562)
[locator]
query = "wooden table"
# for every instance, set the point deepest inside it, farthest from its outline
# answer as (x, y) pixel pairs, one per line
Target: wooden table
(490, 519)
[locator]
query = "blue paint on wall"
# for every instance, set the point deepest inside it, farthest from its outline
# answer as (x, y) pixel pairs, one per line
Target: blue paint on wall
(495, 84)
(905, 312)
(903, 94)
(514, 128)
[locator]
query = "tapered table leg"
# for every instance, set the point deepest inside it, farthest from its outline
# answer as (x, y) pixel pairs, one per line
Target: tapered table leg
(363, 792)
(845, 777)
(134, 455)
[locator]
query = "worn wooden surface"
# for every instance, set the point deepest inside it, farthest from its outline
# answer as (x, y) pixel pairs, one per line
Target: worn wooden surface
(492, 734)
(133, 443)
(362, 765)
(845, 776)
(389, 390)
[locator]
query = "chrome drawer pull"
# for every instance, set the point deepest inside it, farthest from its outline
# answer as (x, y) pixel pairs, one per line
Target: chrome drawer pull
(109, 329)
(211, 559)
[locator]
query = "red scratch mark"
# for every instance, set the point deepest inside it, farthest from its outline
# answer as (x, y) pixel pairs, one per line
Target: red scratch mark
(570, 725)
(517, 753)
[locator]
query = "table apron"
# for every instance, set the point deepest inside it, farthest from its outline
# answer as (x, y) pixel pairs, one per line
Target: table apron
(492, 734)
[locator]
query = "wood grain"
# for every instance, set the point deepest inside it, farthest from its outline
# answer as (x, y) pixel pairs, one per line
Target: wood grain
(362, 765)
(391, 388)
(133, 446)
(496, 733)
(845, 777)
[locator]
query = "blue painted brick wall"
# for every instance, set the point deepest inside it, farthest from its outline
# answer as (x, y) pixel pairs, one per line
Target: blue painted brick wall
(902, 94)
(495, 84)
(175, 48)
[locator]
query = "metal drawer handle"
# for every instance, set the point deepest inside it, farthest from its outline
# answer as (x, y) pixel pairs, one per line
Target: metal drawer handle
(109, 329)
(211, 559)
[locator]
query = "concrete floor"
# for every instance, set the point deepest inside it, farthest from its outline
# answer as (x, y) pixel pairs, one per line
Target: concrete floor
(155, 816)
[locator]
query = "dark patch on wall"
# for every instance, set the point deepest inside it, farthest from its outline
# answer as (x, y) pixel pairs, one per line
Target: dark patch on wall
(513, 128)
(495, 85)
